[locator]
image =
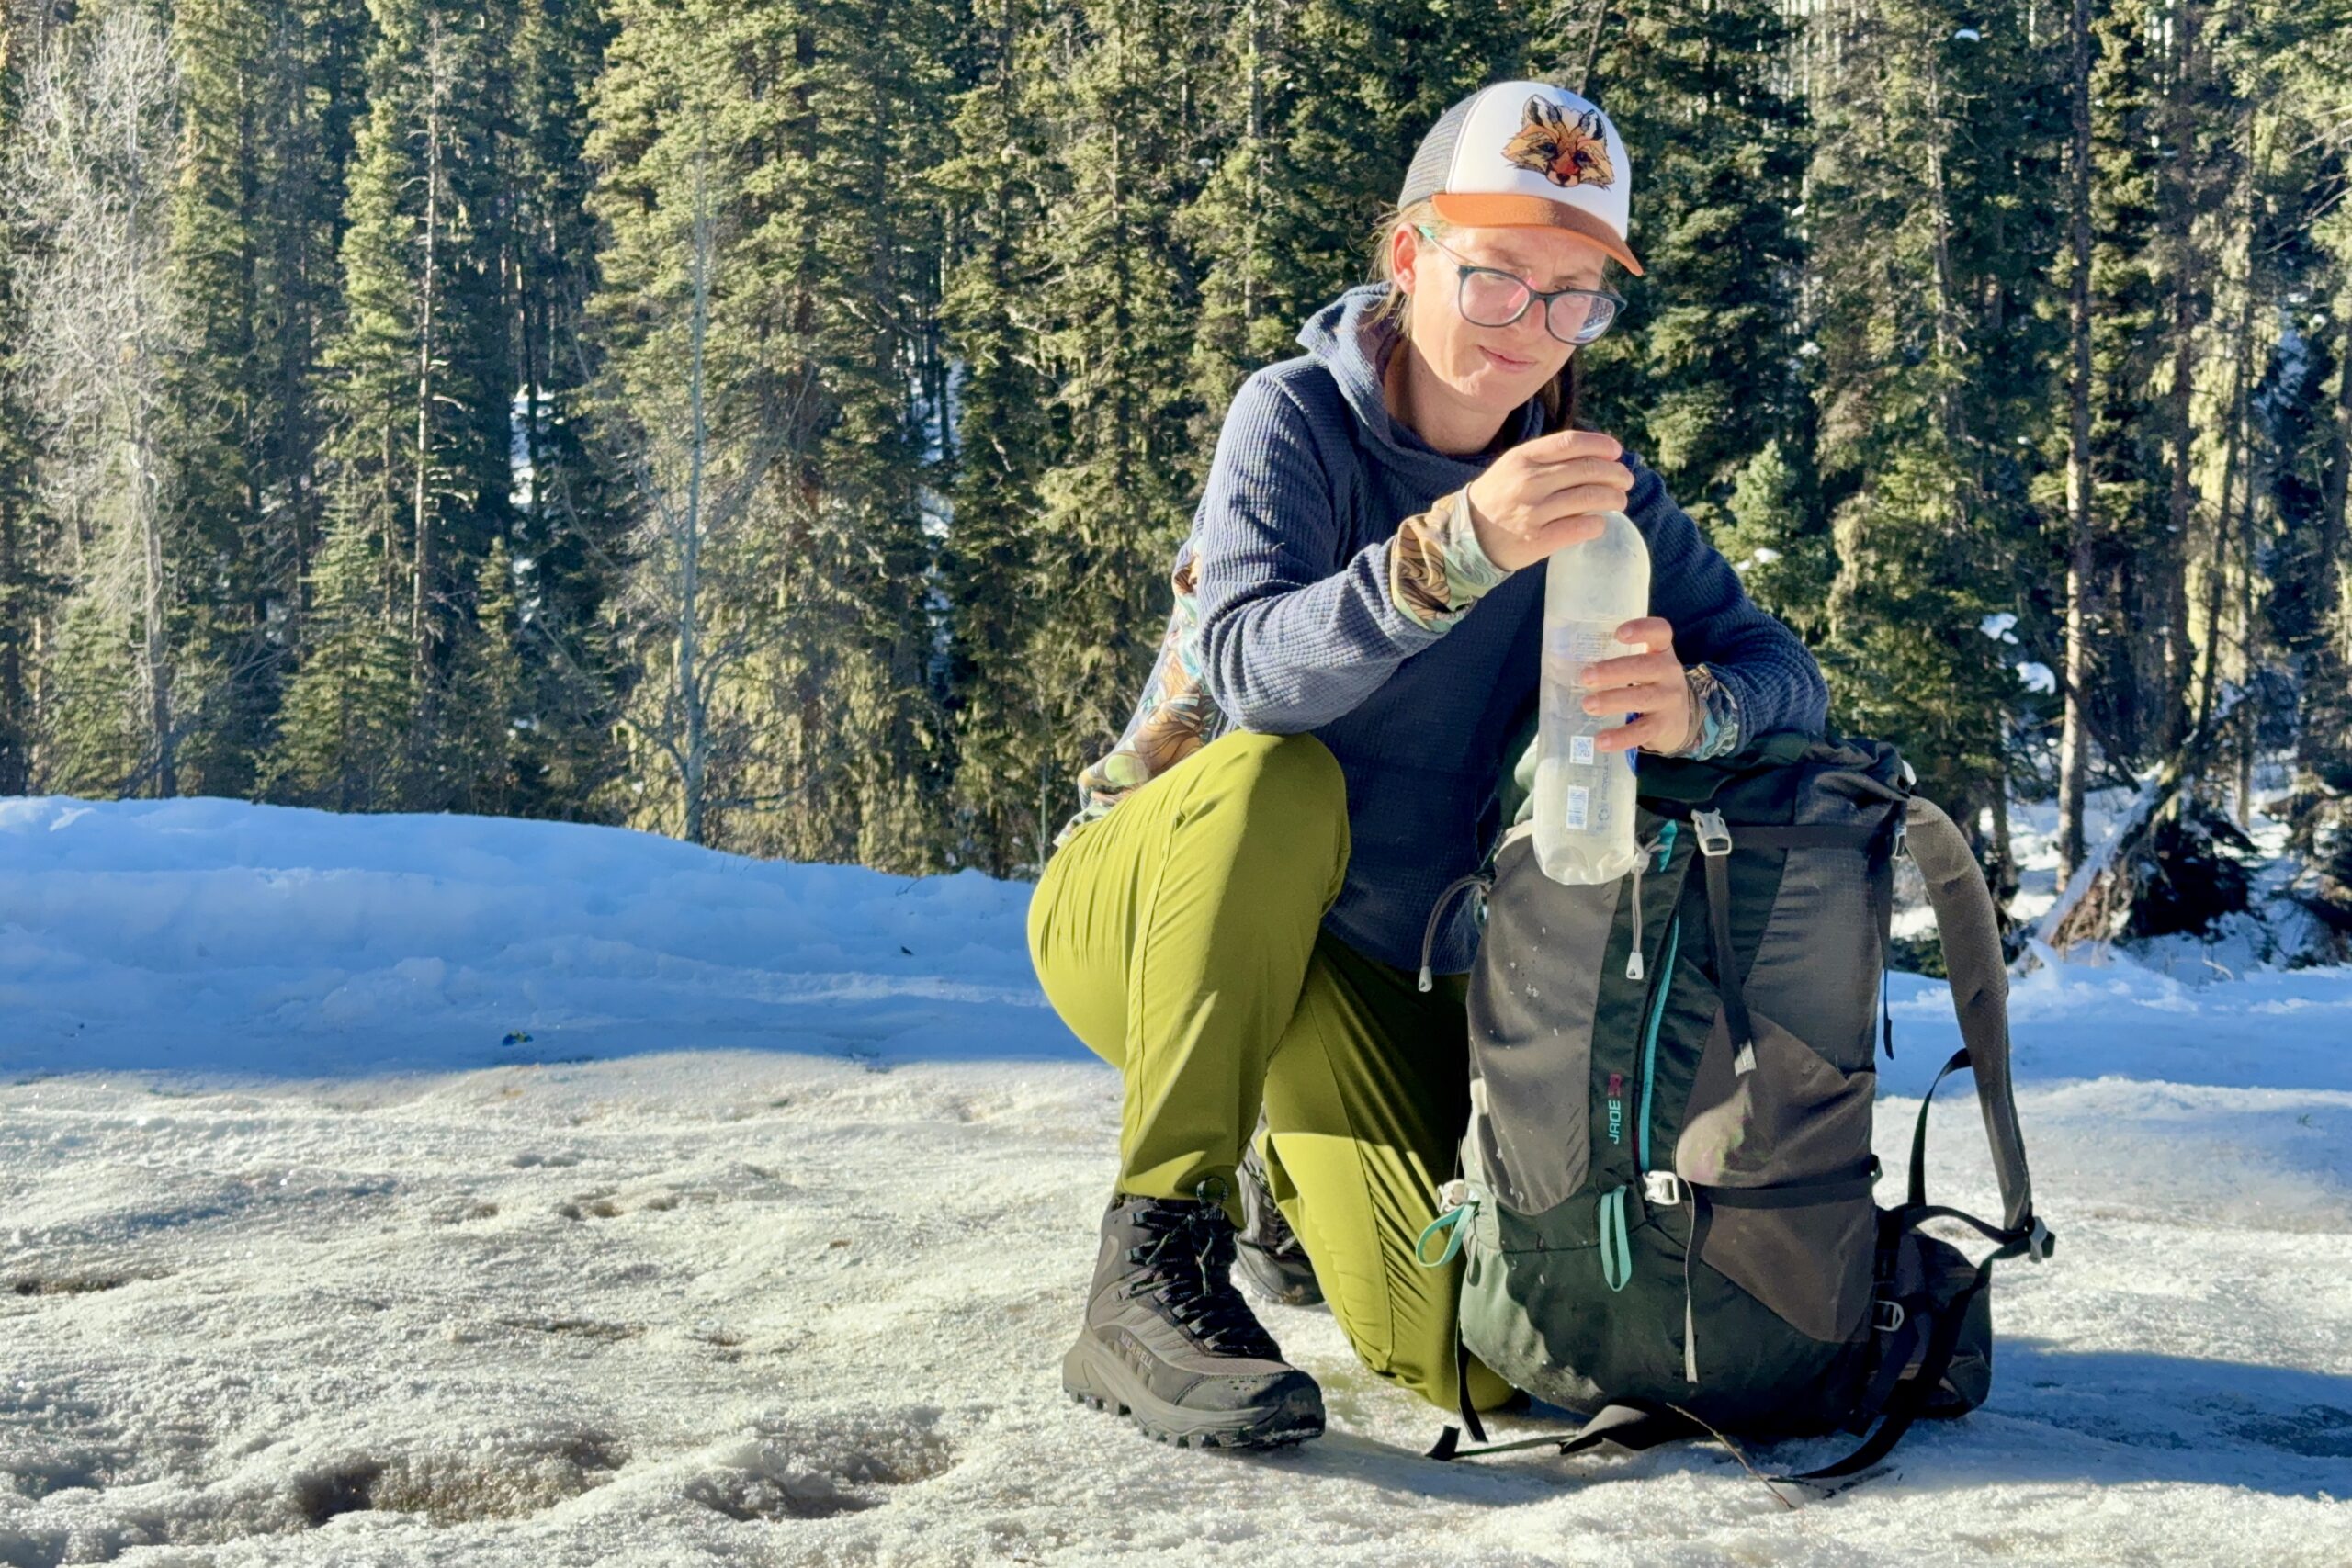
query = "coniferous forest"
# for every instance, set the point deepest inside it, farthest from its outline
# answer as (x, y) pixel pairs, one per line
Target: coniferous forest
(768, 422)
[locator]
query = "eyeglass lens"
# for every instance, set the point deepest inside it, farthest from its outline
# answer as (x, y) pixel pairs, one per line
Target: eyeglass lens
(1496, 300)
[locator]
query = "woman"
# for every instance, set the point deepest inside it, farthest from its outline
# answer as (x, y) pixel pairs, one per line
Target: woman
(1235, 917)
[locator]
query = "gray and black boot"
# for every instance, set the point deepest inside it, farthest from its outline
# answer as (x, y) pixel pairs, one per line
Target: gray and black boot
(1169, 1341)
(1267, 1253)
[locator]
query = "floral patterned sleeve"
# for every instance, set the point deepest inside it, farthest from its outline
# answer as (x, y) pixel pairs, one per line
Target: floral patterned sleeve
(1715, 707)
(1174, 717)
(1436, 569)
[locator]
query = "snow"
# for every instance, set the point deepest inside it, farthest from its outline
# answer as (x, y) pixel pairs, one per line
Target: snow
(764, 1246)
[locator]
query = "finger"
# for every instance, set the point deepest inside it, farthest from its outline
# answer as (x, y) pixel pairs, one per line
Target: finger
(1655, 697)
(1576, 501)
(1630, 670)
(1651, 631)
(1578, 486)
(1562, 531)
(1563, 446)
(1547, 478)
(1657, 731)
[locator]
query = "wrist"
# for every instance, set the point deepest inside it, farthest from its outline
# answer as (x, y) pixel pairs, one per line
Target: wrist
(1716, 728)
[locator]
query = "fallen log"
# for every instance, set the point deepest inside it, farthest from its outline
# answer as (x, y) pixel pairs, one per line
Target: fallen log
(2097, 900)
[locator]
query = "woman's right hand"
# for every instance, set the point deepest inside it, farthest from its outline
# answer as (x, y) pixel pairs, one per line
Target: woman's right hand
(1545, 494)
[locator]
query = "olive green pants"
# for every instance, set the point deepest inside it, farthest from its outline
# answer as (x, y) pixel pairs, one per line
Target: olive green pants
(1179, 937)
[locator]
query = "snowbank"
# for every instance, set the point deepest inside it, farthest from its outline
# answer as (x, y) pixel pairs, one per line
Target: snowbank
(302, 942)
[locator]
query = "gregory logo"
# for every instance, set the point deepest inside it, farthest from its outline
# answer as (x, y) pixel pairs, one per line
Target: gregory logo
(1564, 151)
(1616, 1107)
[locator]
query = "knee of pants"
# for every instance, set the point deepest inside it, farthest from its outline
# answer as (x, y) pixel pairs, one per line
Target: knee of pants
(1292, 790)
(1417, 1360)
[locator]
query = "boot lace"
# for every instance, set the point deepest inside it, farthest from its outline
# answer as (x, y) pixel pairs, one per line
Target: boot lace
(1187, 1260)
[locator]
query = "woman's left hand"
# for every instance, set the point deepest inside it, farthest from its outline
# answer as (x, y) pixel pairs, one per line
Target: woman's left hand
(1650, 686)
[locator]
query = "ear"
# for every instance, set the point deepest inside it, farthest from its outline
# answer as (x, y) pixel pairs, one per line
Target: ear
(1542, 111)
(1404, 249)
(1590, 123)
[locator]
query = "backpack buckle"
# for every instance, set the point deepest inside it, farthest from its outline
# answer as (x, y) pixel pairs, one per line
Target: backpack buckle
(1887, 1316)
(1663, 1188)
(1714, 834)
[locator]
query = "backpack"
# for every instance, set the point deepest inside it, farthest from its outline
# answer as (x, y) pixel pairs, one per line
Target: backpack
(1667, 1194)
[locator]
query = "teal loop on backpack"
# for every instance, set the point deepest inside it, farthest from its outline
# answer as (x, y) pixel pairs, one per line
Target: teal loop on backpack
(1649, 1037)
(1616, 1246)
(1666, 844)
(1455, 1221)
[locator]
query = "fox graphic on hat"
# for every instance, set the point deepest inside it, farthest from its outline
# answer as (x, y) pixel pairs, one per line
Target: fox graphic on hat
(1566, 151)
(1527, 154)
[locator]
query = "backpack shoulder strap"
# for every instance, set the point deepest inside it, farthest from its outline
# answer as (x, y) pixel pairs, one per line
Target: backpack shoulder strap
(1980, 993)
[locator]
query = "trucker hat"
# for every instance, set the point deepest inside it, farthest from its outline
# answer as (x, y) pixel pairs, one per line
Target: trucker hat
(1527, 154)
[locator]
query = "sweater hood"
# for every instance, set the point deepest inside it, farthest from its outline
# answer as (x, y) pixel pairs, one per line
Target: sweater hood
(1355, 349)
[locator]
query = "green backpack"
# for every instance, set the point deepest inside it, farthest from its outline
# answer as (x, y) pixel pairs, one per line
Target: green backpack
(1667, 1200)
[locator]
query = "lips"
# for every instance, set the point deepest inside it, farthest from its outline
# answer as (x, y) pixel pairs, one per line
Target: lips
(1505, 360)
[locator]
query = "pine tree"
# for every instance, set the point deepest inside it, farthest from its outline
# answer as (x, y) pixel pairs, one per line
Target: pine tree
(1702, 375)
(481, 737)
(1003, 820)
(344, 741)
(1934, 379)
(254, 217)
(757, 188)
(568, 521)
(1313, 110)
(421, 445)
(1116, 312)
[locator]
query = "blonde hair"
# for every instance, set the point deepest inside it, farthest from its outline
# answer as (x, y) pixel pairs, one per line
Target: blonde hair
(1394, 306)
(1558, 394)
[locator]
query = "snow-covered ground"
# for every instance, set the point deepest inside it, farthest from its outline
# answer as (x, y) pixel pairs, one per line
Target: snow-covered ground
(437, 1189)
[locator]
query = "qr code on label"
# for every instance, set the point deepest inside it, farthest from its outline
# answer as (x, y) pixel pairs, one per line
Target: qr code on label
(1579, 807)
(1580, 750)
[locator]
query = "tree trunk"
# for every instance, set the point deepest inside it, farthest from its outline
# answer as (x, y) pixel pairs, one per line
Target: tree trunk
(2073, 741)
(423, 565)
(694, 711)
(2180, 652)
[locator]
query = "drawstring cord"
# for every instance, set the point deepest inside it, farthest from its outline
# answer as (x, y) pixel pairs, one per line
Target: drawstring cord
(1429, 931)
(1663, 845)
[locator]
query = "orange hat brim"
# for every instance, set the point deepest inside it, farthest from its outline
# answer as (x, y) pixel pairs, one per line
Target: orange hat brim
(1502, 210)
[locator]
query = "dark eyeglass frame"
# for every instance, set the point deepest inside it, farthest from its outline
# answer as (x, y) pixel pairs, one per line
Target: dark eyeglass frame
(1616, 302)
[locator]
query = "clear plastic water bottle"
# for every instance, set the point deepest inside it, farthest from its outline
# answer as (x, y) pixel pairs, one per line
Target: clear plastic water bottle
(1584, 796)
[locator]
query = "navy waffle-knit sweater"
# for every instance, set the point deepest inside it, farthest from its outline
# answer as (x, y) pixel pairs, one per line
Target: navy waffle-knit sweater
(1309, 480)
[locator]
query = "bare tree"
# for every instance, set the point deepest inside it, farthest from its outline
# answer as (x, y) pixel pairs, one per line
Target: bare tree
(700, 457)
(91, 177)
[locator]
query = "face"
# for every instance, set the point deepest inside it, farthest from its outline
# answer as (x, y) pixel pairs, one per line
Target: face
(1496, 368)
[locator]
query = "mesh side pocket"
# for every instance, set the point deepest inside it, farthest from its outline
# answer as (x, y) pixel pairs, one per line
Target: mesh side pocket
(1532, 1003)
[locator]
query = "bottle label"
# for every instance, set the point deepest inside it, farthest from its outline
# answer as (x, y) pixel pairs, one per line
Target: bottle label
(1580, 750)
(1585, 642)
(1578, 807)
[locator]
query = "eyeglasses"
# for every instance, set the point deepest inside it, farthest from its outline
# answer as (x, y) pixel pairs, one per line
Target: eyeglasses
(1489, 296)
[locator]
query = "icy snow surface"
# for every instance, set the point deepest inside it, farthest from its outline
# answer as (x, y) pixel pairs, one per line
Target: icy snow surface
(761, 1242)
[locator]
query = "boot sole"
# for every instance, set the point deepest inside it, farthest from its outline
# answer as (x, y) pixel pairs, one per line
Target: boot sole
(1091, 1375)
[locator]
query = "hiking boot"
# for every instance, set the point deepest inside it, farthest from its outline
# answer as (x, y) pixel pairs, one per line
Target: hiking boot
(1170, 1342)
(1267, 1253)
